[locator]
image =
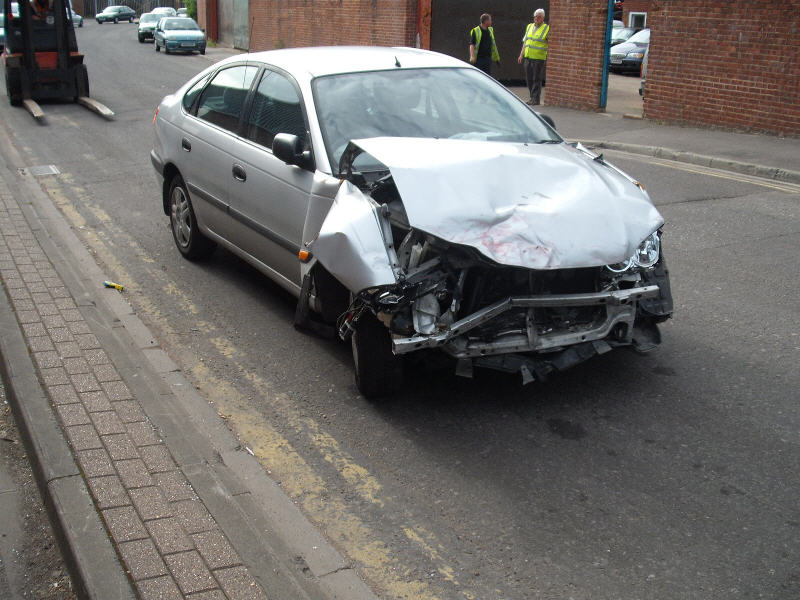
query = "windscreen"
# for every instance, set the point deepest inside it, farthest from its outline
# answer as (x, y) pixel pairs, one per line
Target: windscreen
(184, 24)
(451, 103)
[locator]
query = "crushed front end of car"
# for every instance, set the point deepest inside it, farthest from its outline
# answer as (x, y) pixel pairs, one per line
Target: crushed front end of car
(521, 258)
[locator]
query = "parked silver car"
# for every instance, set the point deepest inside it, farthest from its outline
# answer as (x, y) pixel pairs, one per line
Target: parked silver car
(412, 204)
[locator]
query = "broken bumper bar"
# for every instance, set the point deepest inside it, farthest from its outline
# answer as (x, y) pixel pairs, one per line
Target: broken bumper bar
(620, 309)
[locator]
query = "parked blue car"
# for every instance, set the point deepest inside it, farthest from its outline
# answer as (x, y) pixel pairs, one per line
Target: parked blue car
(179, 34)
(627, 57)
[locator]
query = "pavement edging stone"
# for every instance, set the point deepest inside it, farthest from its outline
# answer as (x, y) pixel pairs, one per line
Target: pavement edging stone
(715, 162)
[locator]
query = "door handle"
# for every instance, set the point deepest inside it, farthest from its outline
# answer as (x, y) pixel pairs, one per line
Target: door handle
(239, 173)
(186, 144)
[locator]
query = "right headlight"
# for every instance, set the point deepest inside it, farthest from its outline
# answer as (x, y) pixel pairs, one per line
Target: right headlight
(646, 255)
(648, 252)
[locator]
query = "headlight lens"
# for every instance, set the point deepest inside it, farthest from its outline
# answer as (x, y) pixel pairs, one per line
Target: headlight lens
(646, 256)
(635, 55)
(648, 252)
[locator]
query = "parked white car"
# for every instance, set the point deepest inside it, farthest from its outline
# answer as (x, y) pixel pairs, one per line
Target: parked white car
(414, 204)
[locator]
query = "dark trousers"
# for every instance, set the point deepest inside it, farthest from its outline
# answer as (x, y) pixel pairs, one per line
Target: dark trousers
(534, 72)
(484, 63)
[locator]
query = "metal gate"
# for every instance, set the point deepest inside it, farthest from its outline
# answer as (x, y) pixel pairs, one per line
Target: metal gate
(241, 31)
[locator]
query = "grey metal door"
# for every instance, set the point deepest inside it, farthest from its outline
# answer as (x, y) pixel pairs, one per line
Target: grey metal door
(241, 31)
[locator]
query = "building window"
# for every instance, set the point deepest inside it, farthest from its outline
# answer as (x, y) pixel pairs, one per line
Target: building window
(637, 20)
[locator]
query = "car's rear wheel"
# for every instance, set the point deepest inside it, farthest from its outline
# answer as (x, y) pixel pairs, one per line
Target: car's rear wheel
(130, 20)
(190, 242)
(141, 39)
(378, 372)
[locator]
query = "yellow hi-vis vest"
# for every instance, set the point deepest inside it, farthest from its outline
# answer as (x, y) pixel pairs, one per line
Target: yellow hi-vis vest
(536, 43)
(478, 31)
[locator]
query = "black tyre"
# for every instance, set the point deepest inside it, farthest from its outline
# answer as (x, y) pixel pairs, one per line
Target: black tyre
(141, 40)
(155, 43)
(378, 372)
(190, 242)
(116, 20)
(13, 86)
(130, 20)
(82, 81)
(203, 51)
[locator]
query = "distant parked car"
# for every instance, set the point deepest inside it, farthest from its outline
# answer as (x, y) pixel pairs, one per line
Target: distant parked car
(621, 34)
(179, 34)
(147, 25)
(644, 72)
(14, 13)
(116, 14)
(164, 11)
(627, 57)
(77, 20)
(182, 12)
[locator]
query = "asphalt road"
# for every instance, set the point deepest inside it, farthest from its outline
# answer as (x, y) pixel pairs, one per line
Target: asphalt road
(669, 475)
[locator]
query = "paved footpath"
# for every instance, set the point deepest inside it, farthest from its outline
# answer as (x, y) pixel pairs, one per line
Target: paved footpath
(150, 494)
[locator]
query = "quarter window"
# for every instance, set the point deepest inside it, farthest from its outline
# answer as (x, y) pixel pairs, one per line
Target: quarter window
(223, 99)
(276, 109)
(189, 98)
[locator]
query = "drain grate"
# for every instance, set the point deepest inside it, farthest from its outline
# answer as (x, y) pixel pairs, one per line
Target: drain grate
(40, 171)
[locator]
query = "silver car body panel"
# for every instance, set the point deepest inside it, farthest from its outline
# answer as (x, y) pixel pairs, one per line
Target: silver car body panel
(538, 206)
(351, 244)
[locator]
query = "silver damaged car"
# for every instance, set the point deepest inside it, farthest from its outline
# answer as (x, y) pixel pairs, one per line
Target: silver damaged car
(414, 206)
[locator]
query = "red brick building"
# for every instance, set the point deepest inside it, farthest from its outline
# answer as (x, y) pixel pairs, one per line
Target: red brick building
(711, 62)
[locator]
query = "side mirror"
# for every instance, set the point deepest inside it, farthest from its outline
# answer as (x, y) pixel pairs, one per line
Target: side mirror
(547, 119)
(289, 148)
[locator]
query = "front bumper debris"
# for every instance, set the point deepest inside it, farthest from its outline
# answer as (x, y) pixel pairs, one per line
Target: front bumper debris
(620, 312)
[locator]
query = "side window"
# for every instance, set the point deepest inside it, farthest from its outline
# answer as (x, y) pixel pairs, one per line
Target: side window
(222, 101)
(188, 99)
(276, 109)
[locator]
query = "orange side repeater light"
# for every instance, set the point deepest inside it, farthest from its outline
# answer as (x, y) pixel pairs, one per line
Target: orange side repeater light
(304, 255)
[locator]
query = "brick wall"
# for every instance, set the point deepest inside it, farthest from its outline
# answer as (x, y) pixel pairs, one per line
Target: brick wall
(290, 23)
(575, 53)
(729, 64)
(637, 6)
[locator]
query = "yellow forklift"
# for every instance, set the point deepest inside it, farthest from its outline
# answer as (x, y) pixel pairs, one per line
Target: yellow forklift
(41, 58)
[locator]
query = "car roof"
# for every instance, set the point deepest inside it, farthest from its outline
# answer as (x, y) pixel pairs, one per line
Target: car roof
(314, 62)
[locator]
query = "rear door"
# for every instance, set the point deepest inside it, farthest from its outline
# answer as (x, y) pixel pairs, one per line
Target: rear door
(269, 198)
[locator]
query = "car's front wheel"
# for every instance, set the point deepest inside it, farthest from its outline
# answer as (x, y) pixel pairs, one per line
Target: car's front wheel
(130, 20)
(116, 20)
(141, 39)
(155, 43)
(190, 242)
(378, 372)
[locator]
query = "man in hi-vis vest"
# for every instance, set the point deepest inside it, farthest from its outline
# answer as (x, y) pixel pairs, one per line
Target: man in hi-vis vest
(482, 47)
(534, 54)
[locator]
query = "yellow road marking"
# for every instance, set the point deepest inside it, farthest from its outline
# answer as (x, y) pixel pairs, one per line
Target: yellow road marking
(789, 188)
(298, 479)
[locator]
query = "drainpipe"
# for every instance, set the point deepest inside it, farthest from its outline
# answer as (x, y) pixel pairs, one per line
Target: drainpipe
(606, 52)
